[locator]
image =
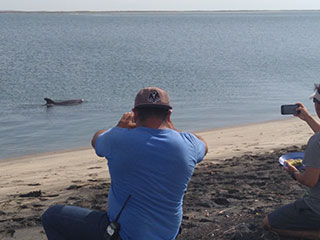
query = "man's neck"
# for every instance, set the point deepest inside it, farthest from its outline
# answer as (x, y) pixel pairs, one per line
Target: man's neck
(156, 124)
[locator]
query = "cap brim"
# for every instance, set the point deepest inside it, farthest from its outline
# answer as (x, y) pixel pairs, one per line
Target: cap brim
(153, 106)
(315, 95)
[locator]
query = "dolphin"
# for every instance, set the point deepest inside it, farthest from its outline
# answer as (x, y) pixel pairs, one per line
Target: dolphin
(51, 103)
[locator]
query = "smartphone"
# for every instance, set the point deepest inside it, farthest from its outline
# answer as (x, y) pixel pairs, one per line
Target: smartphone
(289, 109)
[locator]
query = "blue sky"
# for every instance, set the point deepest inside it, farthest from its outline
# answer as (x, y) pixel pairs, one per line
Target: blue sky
(123, 5)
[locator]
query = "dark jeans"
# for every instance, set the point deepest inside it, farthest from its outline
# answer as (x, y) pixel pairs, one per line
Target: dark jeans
(63, 222)
(294, 216)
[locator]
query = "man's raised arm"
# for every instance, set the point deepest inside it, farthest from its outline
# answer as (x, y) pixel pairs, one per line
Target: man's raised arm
(170, 124)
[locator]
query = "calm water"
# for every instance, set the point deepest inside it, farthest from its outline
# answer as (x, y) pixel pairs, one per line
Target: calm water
(220, 69)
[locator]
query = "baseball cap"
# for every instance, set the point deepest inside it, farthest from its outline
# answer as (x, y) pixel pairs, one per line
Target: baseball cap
(316, 95)
(152, 97)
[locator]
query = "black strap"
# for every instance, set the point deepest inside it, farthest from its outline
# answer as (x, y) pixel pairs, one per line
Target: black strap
(124, 205)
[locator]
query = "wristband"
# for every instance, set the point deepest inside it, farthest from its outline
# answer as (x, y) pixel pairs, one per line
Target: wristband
(293, 176)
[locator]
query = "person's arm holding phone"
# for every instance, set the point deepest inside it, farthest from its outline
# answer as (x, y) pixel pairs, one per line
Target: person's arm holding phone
(307, 117)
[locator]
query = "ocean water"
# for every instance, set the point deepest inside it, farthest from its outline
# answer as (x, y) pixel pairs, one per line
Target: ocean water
(220, 69)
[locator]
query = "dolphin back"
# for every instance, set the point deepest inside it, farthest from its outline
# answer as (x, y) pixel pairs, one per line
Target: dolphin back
(49, 101)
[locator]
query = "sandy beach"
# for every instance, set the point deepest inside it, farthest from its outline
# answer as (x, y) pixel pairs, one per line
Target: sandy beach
(232, 189)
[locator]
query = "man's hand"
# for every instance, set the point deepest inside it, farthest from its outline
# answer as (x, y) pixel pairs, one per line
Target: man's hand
(290, 168)
(307, 117)
(303, 112)
(309, 178)
(127, 121)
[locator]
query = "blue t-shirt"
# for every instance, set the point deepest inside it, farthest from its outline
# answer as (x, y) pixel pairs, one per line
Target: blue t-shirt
(154, 166)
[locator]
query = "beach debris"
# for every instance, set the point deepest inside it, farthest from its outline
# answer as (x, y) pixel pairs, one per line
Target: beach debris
(225, 210)
(94, 168)
(10, 232)
(72, 187)
(207, 214)
(51, 195)
(221, 201)
(239, 232)
(31, 194)
(34, 184)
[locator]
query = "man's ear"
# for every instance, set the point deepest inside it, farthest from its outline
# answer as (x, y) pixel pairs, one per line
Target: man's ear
(135, 115)
(169, 115)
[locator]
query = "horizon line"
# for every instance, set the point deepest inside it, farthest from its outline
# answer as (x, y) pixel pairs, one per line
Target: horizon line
(153, 11)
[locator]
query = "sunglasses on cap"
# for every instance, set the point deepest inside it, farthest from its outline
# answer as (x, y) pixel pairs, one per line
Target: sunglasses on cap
(316, 100)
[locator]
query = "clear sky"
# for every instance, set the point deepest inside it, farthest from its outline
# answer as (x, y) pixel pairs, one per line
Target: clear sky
(136, 5)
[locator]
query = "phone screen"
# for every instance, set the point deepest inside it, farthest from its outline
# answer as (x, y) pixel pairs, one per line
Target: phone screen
(289, 109)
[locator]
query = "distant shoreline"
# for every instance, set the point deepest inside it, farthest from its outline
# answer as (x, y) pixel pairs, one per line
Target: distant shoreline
(164, 11)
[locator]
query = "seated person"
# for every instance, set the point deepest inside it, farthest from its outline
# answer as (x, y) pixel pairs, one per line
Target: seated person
(150, 161)
(302, 217)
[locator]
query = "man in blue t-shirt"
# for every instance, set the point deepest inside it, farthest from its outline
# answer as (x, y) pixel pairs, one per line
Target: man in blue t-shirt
(150, 164)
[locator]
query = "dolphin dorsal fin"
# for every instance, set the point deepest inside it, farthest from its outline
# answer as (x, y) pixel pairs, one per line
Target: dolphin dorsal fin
(49, 101)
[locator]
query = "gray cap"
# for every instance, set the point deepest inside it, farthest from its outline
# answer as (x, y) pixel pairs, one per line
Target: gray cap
(152, 97)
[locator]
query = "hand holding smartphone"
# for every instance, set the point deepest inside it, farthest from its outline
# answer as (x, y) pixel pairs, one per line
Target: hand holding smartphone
(289, 109)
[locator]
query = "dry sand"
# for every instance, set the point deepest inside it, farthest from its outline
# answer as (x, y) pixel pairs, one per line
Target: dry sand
(237, 184)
